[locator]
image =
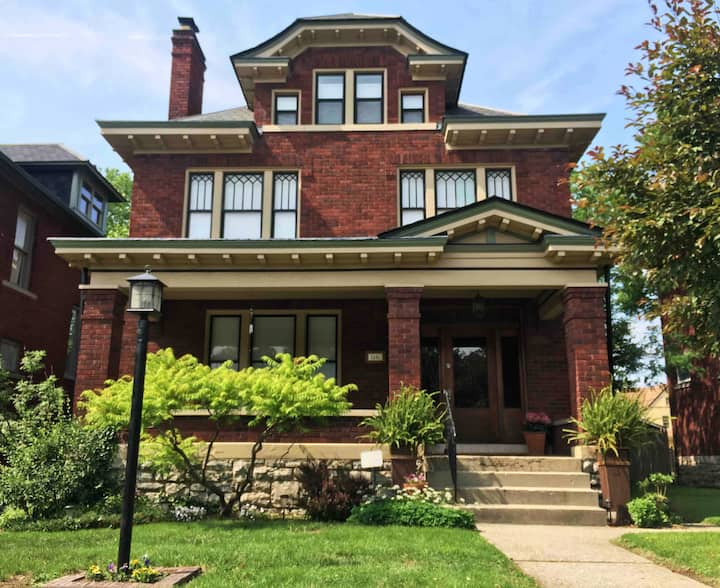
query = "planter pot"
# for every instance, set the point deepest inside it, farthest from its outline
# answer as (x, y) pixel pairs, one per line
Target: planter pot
(535, 441)
(615, 479)
(403, 464)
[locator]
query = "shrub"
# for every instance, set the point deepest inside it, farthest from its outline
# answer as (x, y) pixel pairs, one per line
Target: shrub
(657, 483)
(328, 496)
(411, 513)
(651, 510)
(13, 516)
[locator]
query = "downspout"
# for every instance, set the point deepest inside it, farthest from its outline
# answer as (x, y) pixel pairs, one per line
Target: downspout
(608, 324)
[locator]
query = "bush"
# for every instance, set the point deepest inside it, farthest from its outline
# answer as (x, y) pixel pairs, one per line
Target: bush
(13, 516)
(327, 496)
(651, 510)
(411, 513)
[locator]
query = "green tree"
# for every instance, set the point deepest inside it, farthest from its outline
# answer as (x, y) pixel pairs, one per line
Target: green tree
(659, 200)
(285, 396)
(118, 219)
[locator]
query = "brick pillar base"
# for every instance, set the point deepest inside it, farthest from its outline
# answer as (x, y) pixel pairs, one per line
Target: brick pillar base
(100, 339)
(585, 342)
(403, 337)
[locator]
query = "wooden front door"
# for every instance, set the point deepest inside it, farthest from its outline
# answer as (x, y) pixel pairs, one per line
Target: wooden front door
(481, 370)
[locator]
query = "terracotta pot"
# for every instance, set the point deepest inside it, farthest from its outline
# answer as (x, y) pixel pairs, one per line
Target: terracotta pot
(403, 464)
(615, 479)
(535, 441)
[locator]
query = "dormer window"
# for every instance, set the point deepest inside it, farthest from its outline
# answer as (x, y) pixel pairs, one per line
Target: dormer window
(330, 99)
(412, 107)
(286, 109)
(368, 98)
(91, 205)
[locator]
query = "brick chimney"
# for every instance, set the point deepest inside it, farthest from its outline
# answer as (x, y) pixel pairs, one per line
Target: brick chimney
(188, 70)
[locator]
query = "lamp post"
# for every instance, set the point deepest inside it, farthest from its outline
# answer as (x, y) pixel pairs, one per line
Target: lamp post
(145, 300)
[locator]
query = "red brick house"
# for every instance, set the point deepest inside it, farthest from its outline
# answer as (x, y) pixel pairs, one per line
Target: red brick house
(356, 209)
(45, 191)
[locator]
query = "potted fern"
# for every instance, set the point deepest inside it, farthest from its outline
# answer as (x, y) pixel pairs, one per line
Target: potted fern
(614, 423)
(408, 421)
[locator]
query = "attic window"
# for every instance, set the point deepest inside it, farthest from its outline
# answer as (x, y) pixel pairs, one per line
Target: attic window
(91, 205)
(413, 107)
(330, 99)
(368, 98)
(286, 109)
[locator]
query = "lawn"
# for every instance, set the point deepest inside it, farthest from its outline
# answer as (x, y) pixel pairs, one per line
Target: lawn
(694, 554)
(696, 505)
(276, 554)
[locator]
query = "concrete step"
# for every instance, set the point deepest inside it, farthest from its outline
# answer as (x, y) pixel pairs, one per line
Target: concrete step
(481, 449)
(529, 496)
(538, 515)
(505, 479)
(518, 463)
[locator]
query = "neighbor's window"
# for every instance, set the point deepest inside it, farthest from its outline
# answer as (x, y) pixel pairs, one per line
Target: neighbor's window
(453, 189)
(286, 109)
(200, 206)
(412, 196)
(73, 339)
(368, 98)
(91, 205)
(272, 335)
(10, 355)
(284, 225)
(412, 108)
(242, 206)
(322, 341)
(225, 340)
(22, 250)
(330, 99)
(498, 183)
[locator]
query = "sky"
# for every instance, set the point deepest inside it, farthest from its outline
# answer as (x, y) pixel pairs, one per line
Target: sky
(65, 64)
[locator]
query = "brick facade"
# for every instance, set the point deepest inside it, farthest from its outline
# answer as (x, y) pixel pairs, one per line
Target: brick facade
(585, 343)
(187, 75)
(39, 319)
(403, 323)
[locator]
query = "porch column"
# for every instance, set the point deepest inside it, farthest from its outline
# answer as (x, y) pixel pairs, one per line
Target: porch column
(100, 339)
(403, 337)
(585, 342)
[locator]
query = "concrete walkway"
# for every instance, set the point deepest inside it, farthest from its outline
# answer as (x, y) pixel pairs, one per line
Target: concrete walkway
(569, 557)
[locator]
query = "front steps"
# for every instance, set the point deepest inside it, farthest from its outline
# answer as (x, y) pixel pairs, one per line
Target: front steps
(521, 489)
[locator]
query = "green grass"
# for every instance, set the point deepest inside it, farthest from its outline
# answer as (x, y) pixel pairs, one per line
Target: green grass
(693, 554)
(696, 505)
(276, 554)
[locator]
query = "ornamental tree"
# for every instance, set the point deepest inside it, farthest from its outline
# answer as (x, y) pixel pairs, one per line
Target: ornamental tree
(659, 200)
(285, 396)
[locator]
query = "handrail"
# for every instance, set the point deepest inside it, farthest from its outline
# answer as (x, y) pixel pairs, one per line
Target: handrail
(451, 440)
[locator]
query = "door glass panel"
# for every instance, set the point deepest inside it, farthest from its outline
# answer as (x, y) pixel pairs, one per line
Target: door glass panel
(510, 354)
(430, 364)
(470, 371)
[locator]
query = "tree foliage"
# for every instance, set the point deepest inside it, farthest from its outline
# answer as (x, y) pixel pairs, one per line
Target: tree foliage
(659, 200)
(284, 396)
(118, 218)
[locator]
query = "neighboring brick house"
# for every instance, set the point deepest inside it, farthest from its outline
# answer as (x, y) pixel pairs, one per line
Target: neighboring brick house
(45, 191)
(355, 209)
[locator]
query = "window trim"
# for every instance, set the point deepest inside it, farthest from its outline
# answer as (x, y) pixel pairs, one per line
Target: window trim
(412, 92)
(273, 210)
(28, 251)
(300, 330)
(223, 210)
(401, 207)
(317, 100)
(356, 100)
(298, 113)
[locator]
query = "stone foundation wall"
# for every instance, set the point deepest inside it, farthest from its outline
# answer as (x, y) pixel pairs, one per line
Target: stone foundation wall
(276, 488)
(700, 470)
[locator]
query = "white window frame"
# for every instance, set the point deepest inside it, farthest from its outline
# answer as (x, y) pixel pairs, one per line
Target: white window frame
(22, 281)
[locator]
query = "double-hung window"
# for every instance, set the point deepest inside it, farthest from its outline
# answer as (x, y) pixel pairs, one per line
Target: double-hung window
(368, 98)
(330, 99)
(412, 196)
(498, 182)
(242, 206)
(200, 203)
(453, 189)
(284, 224)
(22, 250)
(286, 109)
(412, 107)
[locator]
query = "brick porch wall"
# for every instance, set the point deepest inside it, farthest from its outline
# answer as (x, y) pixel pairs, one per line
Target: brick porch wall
(403, 324)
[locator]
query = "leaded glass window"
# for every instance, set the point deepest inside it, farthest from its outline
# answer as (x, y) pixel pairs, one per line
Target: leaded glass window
(284, 205)
(412, 196)
(242, 206)
(453, 189)
(200, 206)
(498, 183)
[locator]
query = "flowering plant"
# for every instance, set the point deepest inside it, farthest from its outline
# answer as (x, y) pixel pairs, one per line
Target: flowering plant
(537, 421)
(412, 493)
(136, 571)
(415, 481)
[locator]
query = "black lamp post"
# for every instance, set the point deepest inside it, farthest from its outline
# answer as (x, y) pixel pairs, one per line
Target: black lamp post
(145, 300)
